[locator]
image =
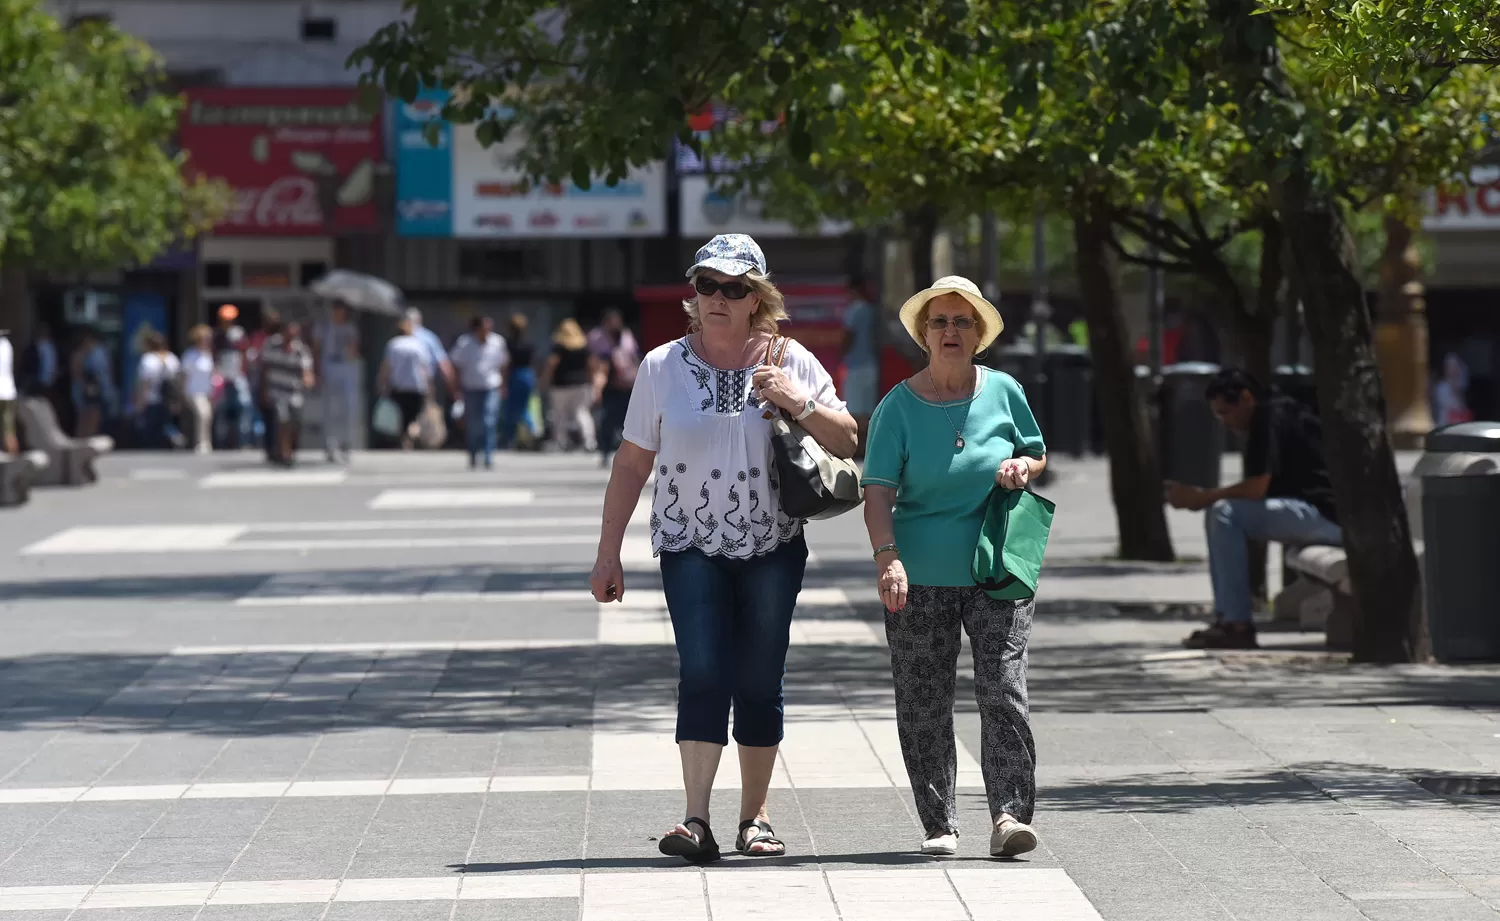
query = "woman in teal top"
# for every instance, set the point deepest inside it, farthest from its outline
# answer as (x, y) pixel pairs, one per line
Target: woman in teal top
(939, 443)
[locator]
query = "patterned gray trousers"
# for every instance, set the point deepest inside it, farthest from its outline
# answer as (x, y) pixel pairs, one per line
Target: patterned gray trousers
(925, 642)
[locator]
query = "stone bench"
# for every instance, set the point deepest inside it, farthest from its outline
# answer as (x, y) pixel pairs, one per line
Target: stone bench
(18, 472)
(70, 460)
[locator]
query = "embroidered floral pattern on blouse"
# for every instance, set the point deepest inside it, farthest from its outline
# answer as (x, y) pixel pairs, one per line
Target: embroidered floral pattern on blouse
(726, 393)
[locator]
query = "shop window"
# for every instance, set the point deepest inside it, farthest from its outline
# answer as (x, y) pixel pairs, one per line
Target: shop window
(265, 275)
(218, 275)
(309, 272)
(503, 263)
(320, 29)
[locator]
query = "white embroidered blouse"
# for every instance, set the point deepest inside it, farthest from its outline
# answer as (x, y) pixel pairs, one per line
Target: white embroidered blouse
(716, 486)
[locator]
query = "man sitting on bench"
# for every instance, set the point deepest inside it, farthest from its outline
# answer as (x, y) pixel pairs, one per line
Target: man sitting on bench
(1285, 496)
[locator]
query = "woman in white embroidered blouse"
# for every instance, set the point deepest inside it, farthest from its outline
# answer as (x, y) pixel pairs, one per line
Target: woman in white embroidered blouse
(731, 562)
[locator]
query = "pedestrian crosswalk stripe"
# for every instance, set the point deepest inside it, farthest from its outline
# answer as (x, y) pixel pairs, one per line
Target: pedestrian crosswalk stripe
(728, 890)
(450, 498)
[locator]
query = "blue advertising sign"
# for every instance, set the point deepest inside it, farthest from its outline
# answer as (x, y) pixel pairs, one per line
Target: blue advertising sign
(424, 173)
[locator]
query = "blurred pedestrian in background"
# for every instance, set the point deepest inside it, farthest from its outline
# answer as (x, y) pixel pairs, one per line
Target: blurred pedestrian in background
(861, 361)
(940, 443)
(439, 368)
(1450, 395)
(198, 375)
(286, 369)
(520, 384)
(338, 373)
(95, 400)
(8, 441)
(158, 394)
(232, 414)
(480, 358)
(568, 382)
(39, 371)
(617, 358)
(405, 378)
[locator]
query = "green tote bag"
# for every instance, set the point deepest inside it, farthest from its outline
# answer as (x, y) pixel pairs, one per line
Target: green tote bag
(1012, 542)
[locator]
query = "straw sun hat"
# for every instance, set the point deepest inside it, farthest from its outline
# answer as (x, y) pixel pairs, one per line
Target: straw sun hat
(952, 284)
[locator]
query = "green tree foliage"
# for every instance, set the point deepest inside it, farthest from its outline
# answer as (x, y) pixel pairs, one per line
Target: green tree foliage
(1277, 118)
(86, 176)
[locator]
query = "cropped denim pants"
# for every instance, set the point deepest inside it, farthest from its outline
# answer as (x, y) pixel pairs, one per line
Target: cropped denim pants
(733, 620)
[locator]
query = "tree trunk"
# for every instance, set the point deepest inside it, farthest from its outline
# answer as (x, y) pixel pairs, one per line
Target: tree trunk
(921, 228)
(15, 304)
(1401, 335)
(1135, 472)
(1323, 268)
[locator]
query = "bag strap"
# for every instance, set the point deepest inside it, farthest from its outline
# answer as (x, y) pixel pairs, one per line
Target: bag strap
(776, 351)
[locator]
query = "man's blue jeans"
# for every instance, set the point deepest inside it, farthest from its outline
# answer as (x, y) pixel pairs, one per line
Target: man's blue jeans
(483, 410)
(733, 620)
(1233, 523)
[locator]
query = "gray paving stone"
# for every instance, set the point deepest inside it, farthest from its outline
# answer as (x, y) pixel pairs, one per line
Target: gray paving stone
(301, 912)
(450, 754)
(236, 819)
(358, 755)
(71, 761)
(176, 860)
(545, 751)
(519, 910)
(390, 911)
(157, 913)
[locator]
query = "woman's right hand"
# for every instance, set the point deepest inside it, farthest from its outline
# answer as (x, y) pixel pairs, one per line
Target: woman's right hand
(892, 584)
(607, 581)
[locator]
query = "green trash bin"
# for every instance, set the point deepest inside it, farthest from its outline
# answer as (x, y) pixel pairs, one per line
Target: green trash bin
(1460, 500)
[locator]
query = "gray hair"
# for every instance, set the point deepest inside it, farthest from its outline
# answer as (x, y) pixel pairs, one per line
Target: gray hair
(414, 316)
(768, 314)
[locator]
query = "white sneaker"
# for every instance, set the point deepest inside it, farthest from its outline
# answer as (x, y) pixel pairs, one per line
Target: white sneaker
(944, 845)
(1010, 838)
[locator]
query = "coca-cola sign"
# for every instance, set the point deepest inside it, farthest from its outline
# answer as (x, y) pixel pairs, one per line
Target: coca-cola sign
(275, 147)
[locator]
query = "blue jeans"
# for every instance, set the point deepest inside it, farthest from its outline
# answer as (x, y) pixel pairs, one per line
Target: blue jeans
(515, 411)
(733, 620)
(1233, 523)
(482, 410)
(157, 427)
(614, 403)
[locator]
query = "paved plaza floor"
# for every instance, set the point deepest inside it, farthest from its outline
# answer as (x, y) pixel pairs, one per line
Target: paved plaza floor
(383, 692)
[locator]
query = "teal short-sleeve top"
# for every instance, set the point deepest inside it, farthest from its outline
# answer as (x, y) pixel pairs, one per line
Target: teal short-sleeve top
(940, 488)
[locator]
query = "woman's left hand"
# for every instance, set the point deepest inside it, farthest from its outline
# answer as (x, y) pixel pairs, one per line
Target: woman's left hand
(774, 386)
(1013, 474)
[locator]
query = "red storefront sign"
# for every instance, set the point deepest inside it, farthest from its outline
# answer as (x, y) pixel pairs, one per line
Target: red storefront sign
(276, 147)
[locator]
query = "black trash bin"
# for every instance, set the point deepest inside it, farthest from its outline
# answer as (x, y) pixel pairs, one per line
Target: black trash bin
(1460, 483)
(1192, 440)
(1019, 361)
(1070, 403)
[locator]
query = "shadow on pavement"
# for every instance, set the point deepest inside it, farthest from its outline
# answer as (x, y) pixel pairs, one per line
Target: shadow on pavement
(1314, 785)
(628, 688)
(730, 862)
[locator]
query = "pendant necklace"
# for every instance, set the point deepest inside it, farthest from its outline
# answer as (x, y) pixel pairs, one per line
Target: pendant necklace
(958, 435)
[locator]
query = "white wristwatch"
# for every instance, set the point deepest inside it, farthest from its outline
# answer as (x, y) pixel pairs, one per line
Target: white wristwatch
(807, 410)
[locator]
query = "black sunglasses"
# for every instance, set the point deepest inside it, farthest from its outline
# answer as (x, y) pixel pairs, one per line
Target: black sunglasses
(733, 290)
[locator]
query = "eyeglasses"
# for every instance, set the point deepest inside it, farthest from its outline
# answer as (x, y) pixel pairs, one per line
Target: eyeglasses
(960, 323)
(733, 290)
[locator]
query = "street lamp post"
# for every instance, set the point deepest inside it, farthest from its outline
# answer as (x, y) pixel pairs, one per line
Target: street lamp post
(1041, 313)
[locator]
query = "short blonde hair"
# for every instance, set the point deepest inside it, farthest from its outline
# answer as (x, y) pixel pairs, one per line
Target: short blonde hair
(921, 324)
(768, 314)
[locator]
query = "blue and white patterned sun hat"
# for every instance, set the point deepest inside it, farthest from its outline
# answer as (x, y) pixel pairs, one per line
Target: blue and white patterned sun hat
(730, 253)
